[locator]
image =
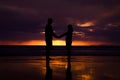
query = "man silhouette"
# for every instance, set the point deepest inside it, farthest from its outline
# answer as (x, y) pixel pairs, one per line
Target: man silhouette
(49, 33)
(48, 38)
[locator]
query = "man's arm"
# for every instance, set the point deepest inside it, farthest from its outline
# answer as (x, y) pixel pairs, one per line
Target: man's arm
(55, 35)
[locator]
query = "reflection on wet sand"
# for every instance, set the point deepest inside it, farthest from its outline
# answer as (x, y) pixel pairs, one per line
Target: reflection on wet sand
(68, 72)
(82, 68)
(49, 71)
(19, 71)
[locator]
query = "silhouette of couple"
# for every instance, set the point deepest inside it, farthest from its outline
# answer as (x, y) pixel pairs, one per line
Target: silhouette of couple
(49, 34)
(48, 37)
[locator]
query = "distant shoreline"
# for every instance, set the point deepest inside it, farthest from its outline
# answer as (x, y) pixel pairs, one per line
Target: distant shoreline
(13, 50)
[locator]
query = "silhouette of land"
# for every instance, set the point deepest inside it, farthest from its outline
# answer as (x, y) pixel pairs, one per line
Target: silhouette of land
(60, 50)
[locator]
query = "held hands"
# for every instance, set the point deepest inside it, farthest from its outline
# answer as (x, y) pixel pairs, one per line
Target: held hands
(56, 36)
(61, 35)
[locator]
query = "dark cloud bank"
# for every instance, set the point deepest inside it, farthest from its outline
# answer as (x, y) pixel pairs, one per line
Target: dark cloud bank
(25, 20)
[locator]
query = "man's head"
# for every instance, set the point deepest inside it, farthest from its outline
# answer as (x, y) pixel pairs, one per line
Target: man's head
(70, 28)
(50, 20)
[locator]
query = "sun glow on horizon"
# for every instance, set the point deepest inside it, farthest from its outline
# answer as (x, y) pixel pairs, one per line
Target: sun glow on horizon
(42, 42)
(56, 43)
(59, 43)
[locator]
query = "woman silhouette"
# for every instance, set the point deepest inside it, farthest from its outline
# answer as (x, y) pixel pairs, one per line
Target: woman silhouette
(68, 36)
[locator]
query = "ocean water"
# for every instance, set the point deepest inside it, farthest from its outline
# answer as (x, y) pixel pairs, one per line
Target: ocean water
(82, 67)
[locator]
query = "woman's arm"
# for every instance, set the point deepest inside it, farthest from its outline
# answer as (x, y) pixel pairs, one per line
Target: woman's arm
(62, 35)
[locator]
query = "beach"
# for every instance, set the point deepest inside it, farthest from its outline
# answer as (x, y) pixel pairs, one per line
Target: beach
(82, 67)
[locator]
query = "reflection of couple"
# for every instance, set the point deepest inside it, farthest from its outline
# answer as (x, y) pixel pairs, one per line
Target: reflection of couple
(49, 33)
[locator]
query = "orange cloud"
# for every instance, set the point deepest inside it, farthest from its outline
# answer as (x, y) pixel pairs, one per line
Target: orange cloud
(87, 24)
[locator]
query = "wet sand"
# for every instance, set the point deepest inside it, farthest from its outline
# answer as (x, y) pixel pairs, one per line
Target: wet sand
(82, 68)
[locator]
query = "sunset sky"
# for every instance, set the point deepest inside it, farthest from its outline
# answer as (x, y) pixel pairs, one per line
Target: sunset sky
(95, 22)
